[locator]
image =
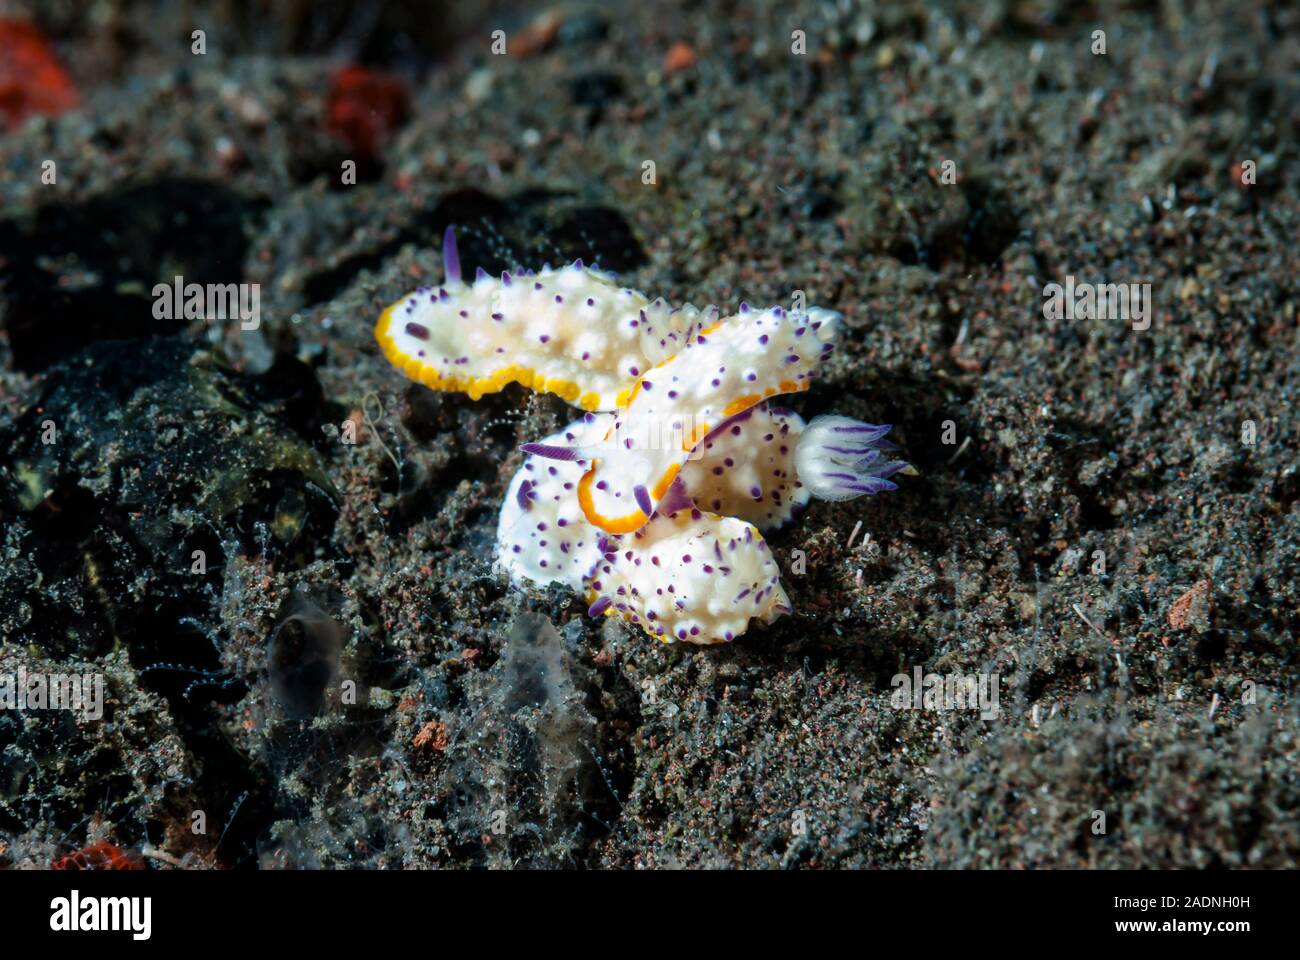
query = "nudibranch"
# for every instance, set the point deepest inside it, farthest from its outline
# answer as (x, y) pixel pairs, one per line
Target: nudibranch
(720, 372)
(542, 536)
(689, 575)
(573, 332)
(653, 508)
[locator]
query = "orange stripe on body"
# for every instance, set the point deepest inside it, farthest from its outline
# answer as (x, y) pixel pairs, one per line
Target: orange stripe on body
(740, 404)
(627, 523)
(665, 481)
(624, 524)
(698, 434)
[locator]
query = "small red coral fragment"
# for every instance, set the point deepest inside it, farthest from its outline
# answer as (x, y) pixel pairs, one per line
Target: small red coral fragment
(100, 856)
(365, 107)
(32, 81)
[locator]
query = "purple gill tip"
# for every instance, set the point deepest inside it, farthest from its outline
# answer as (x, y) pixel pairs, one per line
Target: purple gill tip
(867, 431)
(643, 499)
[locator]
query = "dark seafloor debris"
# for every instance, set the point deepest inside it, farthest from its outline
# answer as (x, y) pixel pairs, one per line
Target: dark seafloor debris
(278, 553)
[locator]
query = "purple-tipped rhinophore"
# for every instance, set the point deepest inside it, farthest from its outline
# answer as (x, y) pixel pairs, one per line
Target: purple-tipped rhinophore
(450, 256)
(839, 459)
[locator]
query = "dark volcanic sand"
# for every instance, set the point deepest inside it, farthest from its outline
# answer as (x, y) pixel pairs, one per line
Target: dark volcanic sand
(484, 735)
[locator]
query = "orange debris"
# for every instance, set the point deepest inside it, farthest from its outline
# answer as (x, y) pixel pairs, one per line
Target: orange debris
(680, 56)
(32, 81)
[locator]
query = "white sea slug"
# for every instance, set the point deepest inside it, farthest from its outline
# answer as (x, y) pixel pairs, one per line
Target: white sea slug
(653, 511)
(699, 570)
(573, 332)
(724, 370)
(542, 536)
(689, 576)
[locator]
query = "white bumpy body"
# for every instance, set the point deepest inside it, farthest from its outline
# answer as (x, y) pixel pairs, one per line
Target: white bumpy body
(654, 510)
